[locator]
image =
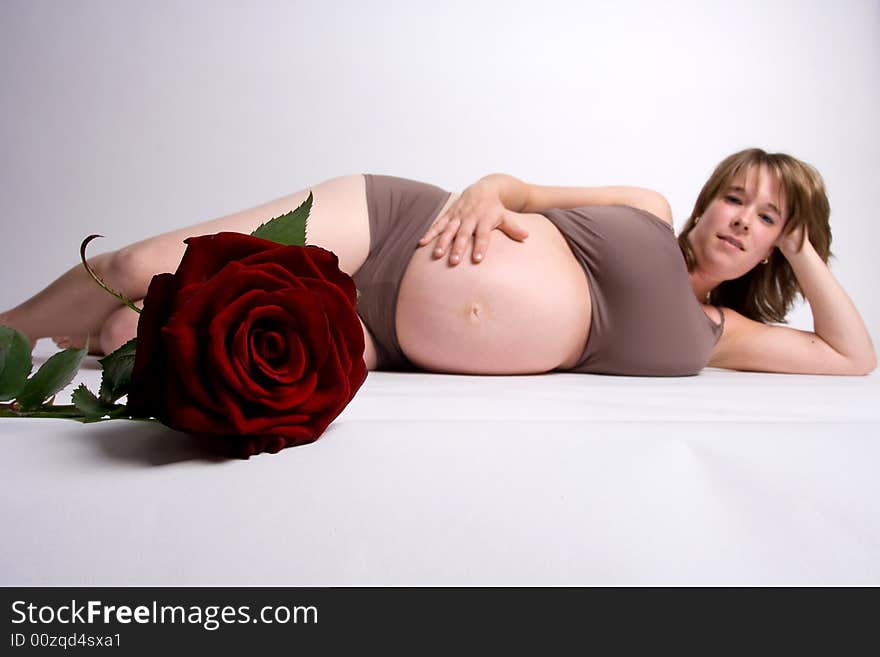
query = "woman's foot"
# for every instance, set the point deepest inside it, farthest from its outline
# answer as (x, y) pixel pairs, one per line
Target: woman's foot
(67, 342)
(9, 319)
(73, 305)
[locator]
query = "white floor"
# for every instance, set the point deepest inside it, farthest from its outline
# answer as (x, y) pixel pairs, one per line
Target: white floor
(560, 479)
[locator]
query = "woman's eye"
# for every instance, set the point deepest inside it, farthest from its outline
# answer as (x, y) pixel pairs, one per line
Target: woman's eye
(765, 217)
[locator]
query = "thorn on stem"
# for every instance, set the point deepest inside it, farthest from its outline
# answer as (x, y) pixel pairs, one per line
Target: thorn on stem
(97, 279)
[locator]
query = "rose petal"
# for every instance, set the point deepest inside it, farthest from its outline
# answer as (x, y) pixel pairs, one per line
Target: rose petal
(287, 364)
(243, 381)
(270, 347)
(309, 262)
(248, 418)
(145, 394)
(242, 361)
(206, 255)
(191, 326)
(348, 336)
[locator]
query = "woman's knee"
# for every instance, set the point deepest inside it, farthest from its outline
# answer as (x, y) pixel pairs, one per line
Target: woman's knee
(119, 328)
(130, 270)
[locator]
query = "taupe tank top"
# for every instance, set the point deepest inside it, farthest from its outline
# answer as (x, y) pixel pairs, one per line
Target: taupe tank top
(646, 320)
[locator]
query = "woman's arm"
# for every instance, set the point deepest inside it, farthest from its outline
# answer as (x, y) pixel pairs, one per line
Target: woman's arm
(839, 343)
(542, 197)
(495, 200)
(835, 318)
(512, 192)
(520, 196)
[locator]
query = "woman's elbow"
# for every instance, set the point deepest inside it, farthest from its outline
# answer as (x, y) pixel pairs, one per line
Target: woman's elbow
(655, 203)
(865, 367)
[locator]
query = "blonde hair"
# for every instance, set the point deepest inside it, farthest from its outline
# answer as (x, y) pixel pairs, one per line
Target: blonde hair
(766, 292)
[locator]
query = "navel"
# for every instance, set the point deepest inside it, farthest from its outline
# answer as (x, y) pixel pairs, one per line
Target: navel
(473, 311)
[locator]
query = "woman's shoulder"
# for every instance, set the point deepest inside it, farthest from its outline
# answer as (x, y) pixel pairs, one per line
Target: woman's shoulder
(715, 313)
(656, 204)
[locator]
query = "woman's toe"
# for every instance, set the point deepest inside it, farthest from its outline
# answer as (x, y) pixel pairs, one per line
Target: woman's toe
(67, 342)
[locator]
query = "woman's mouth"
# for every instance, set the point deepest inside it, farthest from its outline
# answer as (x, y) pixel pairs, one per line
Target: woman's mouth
(732, 242)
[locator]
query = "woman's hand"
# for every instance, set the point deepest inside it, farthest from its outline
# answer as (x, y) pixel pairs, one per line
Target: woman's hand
(477, 212)
(790, 243)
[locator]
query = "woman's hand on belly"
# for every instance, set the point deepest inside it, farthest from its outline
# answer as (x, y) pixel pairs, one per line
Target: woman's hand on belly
(527, 310)
(471, 217)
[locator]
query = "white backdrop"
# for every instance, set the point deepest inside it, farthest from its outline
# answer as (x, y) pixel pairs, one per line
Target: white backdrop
(130, 118)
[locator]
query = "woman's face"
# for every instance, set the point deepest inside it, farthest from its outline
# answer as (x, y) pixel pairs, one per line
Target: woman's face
(739, 228)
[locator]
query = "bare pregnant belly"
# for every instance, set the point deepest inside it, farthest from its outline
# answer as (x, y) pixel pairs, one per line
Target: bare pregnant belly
(525, 309)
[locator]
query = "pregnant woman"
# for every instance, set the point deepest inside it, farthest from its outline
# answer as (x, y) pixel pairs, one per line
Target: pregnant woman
(577, 280)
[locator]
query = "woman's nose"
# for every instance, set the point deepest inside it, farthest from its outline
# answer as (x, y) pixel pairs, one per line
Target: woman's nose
(741, 222)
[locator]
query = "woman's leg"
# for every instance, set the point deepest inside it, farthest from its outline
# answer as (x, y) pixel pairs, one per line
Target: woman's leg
(75, 305)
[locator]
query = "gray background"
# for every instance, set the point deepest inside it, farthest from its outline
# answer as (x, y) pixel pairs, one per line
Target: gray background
(132, 118)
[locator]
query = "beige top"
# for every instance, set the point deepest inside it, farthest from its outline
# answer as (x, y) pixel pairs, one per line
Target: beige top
(646, 320)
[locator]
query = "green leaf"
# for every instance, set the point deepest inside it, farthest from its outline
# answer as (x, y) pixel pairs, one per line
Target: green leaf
(90, 406)
(117, 368)
(288, 229)
(52, 377)
(15, 362)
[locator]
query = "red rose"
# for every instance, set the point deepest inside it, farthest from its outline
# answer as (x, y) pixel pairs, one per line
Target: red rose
(253, 345)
